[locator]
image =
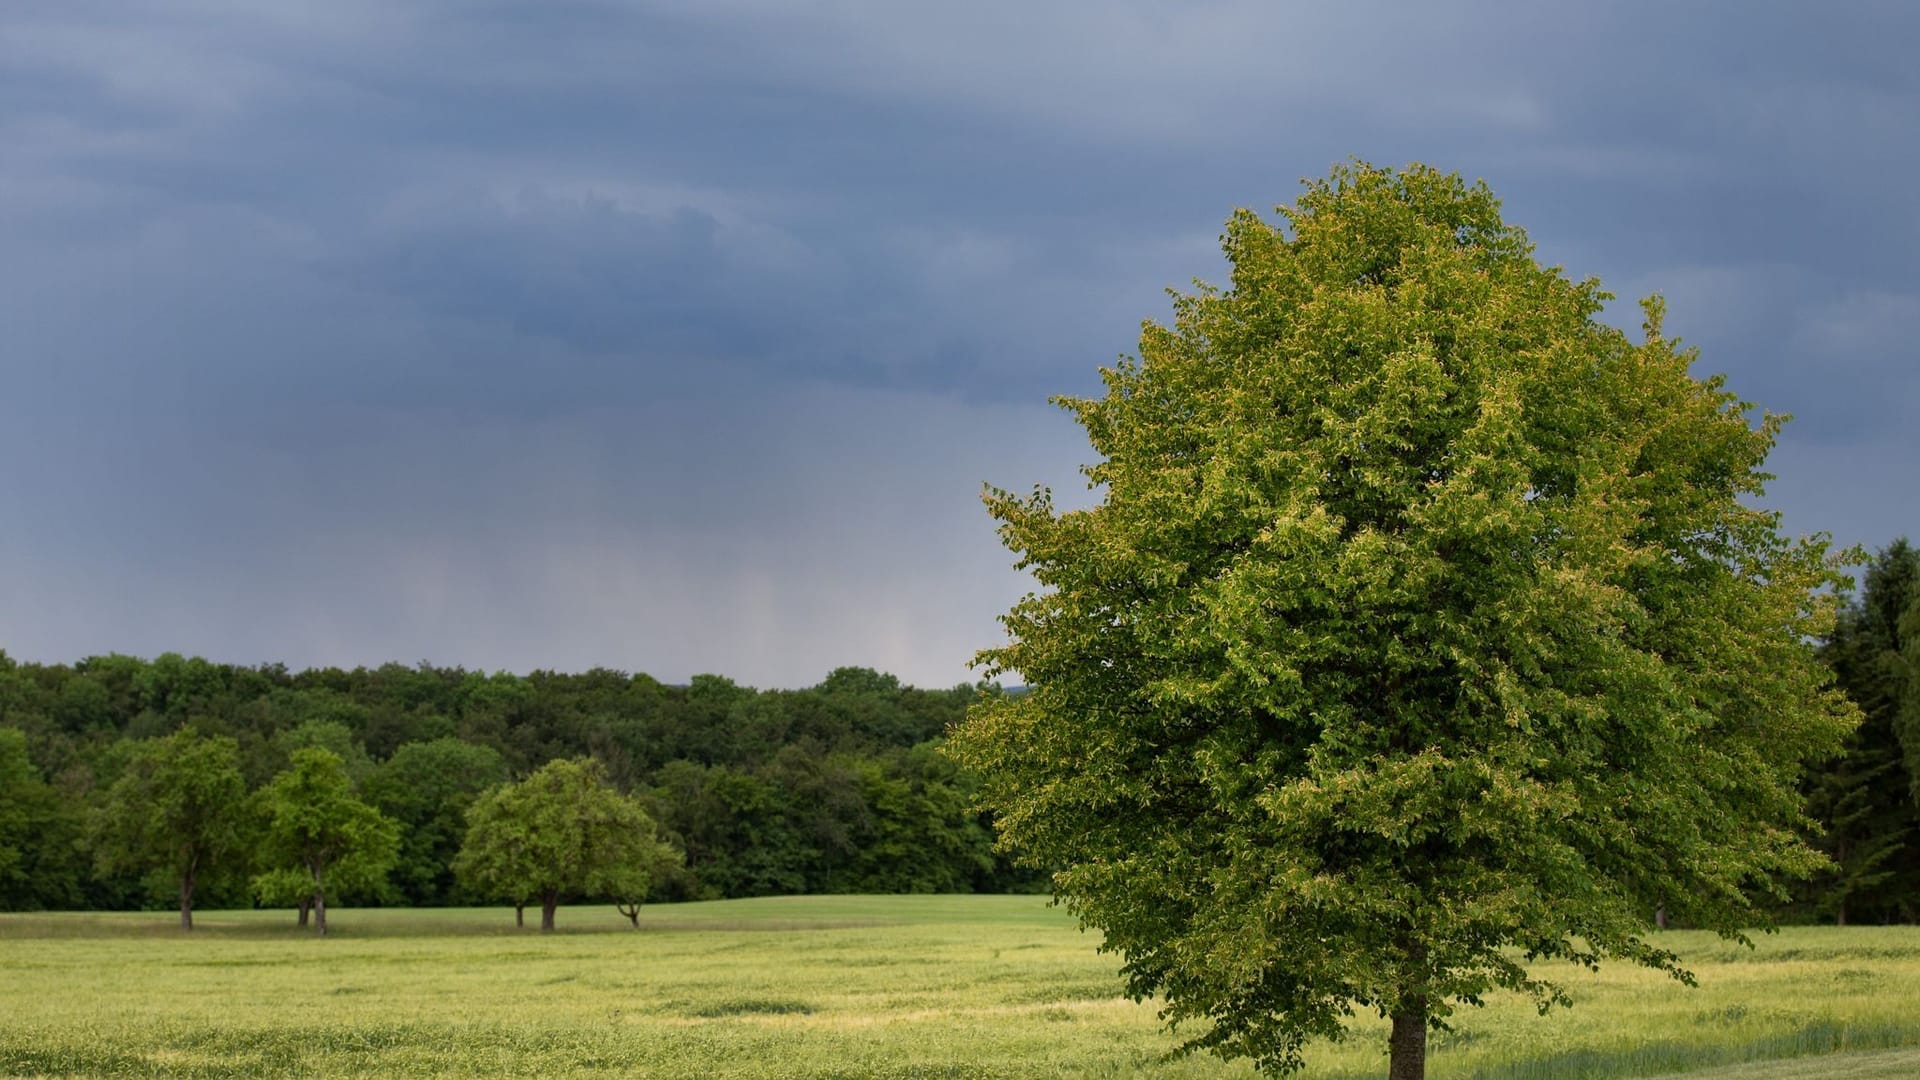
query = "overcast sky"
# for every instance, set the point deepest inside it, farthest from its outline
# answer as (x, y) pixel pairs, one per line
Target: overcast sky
(680, 337)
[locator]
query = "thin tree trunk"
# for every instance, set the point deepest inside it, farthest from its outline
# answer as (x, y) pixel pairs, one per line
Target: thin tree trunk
(1840, 858)
(1660, 916)
(186, 901)
(306, 907)
(547, 905)
(520, 915)
(320, 902)
(1408, 1060)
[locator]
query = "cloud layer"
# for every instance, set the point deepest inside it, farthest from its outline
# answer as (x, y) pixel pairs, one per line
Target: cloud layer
(680, 337)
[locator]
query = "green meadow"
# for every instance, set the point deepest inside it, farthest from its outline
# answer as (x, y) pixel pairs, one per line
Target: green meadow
(843, 987)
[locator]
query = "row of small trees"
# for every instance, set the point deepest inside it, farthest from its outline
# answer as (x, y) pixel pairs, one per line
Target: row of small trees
(181, 813)
(562, 832)
(838, 787)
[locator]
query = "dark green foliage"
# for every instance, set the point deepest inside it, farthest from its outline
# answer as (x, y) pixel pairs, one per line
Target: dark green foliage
(1865, 798)
(916, 836)
(559, 834)
(741, 833)
(426, 787)
(772, 791)
(40, 834)
(176, 815)
(317, 834)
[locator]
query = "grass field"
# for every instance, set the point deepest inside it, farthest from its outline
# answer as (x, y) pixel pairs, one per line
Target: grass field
(841, 987)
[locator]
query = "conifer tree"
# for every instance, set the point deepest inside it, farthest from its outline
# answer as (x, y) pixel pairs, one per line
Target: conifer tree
(1865, 798)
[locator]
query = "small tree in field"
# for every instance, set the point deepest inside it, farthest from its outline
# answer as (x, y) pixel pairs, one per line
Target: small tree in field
(630, 882)
(561, 832)
(1421, 633)
(285, 887)
(318, 833)
(177, 814)
(496, 858)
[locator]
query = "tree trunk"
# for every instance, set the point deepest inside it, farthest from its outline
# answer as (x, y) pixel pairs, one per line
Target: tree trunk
(547, 905)
(320, 902)
(520, 915)
(1660, 916)
(1408, 1060)
(186, 901)
(306, 908)
(631, 911)
(1840, 859)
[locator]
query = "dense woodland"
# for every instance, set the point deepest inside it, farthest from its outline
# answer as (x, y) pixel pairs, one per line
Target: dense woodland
(1867, 802)
(836, 788)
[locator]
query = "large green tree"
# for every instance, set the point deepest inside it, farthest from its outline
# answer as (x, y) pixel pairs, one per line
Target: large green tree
(176, 814)
(1422, 631)
(561, 832)
(319, 834)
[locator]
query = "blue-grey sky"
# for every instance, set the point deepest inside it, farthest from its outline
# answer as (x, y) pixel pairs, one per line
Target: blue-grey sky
(680, 337)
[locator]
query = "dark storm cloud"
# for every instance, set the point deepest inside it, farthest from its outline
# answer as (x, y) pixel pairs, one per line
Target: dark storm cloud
(679, 336)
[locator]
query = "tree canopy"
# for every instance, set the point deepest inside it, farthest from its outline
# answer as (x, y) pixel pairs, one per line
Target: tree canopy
(39, 834)
(1868, 798)
(426, 787)
(317, 832)
(1423, 630)
(789, 789)
(177, 814)
(561, 832)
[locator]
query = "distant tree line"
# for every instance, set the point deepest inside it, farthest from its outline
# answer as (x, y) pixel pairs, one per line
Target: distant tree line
(720, 790)
(130, 783)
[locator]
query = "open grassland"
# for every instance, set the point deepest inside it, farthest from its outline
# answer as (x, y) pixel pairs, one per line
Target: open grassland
(842, 987)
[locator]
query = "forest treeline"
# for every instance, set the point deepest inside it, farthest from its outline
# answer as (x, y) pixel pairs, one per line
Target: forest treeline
(839, 787)
(835, 788)
(1866, 802)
